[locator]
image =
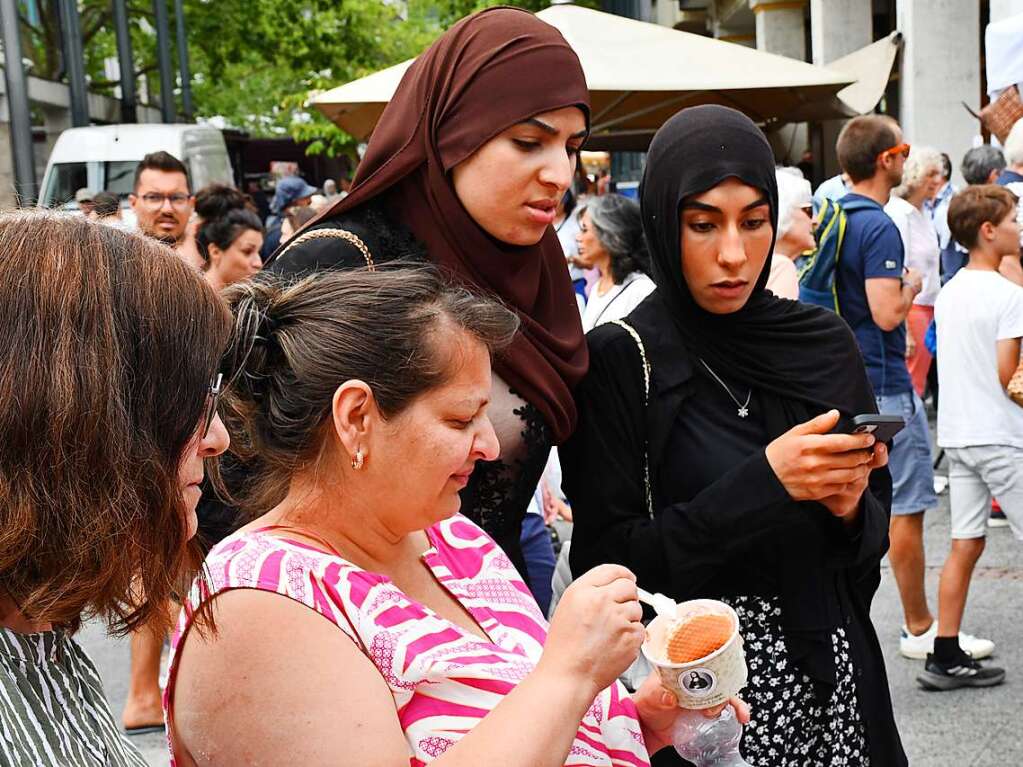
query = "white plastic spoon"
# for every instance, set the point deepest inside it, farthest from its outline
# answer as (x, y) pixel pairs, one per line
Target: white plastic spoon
(662, 605)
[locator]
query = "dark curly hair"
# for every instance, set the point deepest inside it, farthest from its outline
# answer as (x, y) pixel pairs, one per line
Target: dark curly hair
(225, 213)
(617, 223)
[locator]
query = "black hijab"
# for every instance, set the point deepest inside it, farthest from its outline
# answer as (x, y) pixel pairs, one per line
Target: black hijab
(794, 351)
(803, 360)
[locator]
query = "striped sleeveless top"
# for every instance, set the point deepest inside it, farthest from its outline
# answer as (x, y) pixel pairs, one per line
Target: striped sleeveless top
(53, 712)
(417, 651)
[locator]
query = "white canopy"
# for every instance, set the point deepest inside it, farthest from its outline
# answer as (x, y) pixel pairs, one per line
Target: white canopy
(870, 67)
(1003, 46)
(640, 74)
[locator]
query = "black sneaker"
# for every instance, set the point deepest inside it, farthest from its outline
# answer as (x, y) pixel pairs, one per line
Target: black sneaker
(962, 672)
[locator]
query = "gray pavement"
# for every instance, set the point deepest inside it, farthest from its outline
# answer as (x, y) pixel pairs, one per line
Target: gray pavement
(966, 728)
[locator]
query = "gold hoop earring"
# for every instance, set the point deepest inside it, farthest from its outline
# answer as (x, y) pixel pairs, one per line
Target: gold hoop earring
(358, 460)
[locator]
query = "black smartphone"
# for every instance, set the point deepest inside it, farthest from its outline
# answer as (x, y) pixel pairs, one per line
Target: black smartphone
(883, 427)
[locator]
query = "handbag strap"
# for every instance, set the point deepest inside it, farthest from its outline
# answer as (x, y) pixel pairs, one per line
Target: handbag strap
(335, 234)
(646, 403)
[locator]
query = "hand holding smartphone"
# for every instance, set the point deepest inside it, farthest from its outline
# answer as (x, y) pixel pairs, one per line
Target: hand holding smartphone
(883, 427)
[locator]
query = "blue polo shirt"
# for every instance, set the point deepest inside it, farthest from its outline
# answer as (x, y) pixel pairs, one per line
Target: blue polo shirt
(872, 248)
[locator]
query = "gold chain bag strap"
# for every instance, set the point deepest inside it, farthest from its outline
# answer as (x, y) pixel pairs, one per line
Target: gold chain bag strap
(646, 403)
(334, 234)
(1015, 387)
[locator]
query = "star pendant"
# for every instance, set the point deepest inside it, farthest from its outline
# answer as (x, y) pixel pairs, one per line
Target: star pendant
(743, 411)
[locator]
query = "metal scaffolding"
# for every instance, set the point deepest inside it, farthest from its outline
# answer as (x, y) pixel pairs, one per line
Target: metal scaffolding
(186, 77)
(17, 104)
(168, 110)
(126, 62)
(74, 61)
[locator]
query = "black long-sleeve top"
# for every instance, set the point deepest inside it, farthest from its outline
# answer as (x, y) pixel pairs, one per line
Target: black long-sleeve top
(722, 523)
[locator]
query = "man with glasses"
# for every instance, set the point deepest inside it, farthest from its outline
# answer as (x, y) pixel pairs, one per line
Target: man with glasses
(162, 200)
(875, 293)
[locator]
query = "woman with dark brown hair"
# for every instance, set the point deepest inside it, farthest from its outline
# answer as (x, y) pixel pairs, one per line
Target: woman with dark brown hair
(465, 170)
(109, 346)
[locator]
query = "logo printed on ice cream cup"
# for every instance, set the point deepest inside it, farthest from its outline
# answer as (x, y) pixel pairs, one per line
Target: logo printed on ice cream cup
(699, 682)
(703, 682)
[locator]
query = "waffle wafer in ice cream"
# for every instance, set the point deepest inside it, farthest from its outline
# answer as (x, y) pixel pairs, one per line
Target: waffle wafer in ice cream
(697, 636)
(697, 652)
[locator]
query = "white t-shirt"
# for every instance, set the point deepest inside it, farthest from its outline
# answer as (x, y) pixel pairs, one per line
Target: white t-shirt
(974, 311)
(920, 241)
(618, 302)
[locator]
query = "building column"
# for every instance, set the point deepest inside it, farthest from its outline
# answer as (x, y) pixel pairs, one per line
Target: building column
(781, 29)
(837, 28)
(735, 35)
(934, 79)
(1003, 9)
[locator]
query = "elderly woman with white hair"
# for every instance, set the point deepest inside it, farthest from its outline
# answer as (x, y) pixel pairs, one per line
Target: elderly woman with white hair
(921, 181)
(795, 232)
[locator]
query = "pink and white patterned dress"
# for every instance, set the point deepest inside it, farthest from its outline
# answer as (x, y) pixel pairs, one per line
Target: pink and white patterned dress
(416, 650)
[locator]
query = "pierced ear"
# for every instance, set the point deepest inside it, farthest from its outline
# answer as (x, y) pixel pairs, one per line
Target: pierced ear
(352, 409)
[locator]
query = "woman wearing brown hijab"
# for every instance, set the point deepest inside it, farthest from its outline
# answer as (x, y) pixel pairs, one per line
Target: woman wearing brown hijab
(465, 169)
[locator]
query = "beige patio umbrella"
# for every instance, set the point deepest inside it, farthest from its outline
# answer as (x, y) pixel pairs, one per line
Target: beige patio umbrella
(640, 74)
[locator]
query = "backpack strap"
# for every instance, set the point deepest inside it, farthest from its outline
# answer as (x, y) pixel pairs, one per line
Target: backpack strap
(646, 403)
(826, 218)
(843, 220)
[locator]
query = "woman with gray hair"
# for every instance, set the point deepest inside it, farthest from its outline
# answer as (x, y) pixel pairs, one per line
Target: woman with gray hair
(611, 240)
(921, 181)
(795, 232)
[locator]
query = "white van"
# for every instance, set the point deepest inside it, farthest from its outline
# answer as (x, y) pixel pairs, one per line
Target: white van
(104, 158)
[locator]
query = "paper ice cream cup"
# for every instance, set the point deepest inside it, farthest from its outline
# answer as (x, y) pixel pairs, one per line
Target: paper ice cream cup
(707, 681)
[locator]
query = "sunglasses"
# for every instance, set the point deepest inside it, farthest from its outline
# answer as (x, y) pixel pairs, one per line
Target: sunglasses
(212, 402)
(902, 149)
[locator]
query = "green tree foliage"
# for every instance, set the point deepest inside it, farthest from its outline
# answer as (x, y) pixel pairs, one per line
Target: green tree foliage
(254, 63)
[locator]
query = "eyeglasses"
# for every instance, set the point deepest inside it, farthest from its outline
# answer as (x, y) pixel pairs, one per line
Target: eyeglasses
(902, 149)
(155, 201)
(212, 401)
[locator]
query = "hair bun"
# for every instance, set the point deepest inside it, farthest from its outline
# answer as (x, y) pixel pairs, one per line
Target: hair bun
(256, 305)
(217, 200)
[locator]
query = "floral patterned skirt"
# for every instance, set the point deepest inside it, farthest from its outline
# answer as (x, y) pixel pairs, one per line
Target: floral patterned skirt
(789, 726)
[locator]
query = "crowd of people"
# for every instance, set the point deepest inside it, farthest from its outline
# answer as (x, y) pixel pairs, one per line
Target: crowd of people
(318, 445)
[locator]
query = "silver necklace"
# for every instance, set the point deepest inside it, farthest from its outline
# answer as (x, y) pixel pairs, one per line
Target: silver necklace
(744, 407)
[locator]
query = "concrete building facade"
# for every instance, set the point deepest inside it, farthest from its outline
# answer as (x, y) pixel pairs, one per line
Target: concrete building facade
(51, 104)
(939, 68)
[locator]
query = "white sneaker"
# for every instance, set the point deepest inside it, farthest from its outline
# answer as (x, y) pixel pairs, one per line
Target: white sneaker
(917, 646)
(976, 647)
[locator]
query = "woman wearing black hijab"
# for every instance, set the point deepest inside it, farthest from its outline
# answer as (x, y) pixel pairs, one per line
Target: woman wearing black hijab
(722, 481)
(465, 169)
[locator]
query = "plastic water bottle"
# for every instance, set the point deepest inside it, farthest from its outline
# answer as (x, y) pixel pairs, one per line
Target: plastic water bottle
(709, 742)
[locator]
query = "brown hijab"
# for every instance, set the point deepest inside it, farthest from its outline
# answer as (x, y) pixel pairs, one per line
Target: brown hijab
(490, 71)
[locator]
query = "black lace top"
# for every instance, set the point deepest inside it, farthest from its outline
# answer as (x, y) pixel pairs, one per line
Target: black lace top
(499, 491)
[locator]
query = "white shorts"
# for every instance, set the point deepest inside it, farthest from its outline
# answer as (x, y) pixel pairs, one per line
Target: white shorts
(975, 474)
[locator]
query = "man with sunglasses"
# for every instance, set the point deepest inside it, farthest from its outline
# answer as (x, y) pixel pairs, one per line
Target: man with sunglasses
(161, 199)
(875, 293)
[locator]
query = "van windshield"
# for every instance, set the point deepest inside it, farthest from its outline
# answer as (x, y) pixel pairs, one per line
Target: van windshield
(68, 177)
